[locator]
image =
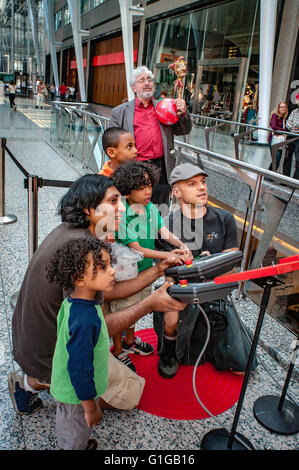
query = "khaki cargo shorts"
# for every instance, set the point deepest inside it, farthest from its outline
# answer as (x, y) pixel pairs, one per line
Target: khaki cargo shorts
(124, 388)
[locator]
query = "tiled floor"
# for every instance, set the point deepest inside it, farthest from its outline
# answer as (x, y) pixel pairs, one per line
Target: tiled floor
(119, 430)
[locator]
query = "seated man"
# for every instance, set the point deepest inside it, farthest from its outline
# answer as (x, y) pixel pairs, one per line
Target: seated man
(205, 230)
(91, 208)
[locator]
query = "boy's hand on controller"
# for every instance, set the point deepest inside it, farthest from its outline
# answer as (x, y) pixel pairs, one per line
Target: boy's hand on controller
(161, 301)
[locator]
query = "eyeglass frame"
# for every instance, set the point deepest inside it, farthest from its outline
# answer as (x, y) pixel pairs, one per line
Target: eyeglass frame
(143, 80)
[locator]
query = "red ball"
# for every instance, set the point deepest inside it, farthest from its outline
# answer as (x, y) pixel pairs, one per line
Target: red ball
(166, 111)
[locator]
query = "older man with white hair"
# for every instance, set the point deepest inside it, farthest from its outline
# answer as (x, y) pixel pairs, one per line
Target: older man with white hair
(154, 141)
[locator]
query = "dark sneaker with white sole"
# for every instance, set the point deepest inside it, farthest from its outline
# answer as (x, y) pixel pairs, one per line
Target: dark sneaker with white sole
(138, 347)
(23, 402)
(124, 358)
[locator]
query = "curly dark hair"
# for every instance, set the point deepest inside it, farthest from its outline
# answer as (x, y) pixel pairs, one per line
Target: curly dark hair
(86, 192)
(134, 175)
(69, 262)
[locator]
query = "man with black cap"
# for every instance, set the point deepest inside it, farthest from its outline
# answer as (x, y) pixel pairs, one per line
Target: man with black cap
(205, 230)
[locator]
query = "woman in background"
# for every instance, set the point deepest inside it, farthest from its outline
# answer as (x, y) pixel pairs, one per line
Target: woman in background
(278, 123)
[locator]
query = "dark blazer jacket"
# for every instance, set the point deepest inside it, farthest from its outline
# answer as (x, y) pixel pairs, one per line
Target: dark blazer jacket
(123, 116)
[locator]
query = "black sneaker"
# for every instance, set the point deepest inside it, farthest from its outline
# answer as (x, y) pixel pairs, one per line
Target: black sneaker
(124, 358)
(24, 402)
(138, 347)
(168, 363)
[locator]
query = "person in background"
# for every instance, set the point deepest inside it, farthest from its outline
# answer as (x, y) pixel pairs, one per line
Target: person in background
(278, 123)
(41, 93)
(62, 91)
(293, 125)
(52, 91)
(119, 146)
(12, 95)
(163, 94)
(72, 92)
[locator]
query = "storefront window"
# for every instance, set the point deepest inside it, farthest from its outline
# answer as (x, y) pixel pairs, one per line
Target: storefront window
(221, 47)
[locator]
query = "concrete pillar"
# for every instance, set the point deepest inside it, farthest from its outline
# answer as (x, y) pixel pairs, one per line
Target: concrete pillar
(267, 39)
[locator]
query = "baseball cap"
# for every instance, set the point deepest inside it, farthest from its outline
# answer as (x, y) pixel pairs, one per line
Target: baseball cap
(184, 171)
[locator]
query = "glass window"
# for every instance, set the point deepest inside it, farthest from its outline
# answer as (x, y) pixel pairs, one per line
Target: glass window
(96, 3)
(66, 15)
(85, 6)
(216, 35)
(58, 20)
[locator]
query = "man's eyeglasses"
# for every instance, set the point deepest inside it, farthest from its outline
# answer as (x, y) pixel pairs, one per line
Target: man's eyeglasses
(143, 80)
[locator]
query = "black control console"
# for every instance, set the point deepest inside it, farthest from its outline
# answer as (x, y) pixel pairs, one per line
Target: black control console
(200, 272)
(206, 267)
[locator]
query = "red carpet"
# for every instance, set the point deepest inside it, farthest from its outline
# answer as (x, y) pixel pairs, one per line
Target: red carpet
(174, 398)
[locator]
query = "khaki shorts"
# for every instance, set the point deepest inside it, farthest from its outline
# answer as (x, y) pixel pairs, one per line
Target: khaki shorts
(124, 387)
(120, 304)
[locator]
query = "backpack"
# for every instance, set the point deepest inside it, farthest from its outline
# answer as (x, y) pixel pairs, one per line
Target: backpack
(228, 346)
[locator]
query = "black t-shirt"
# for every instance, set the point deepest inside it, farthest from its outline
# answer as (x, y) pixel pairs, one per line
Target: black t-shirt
(215, 232)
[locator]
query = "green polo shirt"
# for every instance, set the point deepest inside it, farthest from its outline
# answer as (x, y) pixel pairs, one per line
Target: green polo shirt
(140, 228)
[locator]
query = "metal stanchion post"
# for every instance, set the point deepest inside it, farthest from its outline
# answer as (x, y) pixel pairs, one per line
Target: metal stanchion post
(4, 218)
(32, 214)
(84, 143)
(70, 132)
(249, 231)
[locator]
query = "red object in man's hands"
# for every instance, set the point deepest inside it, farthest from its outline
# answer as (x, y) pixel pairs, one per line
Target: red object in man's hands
(166, 111)
(285, 265)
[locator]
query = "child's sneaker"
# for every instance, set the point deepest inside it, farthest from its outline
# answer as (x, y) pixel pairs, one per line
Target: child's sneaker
(138, 347)
(24, 402)
(124, 358)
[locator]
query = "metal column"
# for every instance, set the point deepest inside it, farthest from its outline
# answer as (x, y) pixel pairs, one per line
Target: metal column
(267, 38)
(34, 26)
(12, 36)
(127, 11)
(49, 19)
(74, 7)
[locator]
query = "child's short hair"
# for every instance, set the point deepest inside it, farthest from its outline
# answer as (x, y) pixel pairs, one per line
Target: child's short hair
(133, 175)
(69, 263)
(111, 137)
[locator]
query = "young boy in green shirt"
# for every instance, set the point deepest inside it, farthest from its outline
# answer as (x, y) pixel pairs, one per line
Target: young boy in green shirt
(80, 361)
(138, 230)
